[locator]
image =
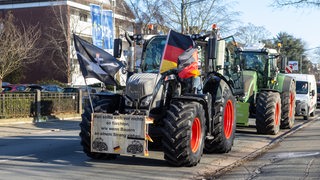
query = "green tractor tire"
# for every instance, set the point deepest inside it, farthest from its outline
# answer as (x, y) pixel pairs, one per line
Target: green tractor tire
(268, 114)
(288, 99)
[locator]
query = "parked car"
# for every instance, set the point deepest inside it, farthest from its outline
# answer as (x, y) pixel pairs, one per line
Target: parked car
(15, 88)
(71, 90)
(34, 87)
(52, 88)
(5, 83)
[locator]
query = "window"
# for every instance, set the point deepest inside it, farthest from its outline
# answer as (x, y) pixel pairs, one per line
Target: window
(83, 17)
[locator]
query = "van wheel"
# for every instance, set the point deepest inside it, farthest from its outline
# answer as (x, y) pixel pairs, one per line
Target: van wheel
(307, 116)
(313, 113)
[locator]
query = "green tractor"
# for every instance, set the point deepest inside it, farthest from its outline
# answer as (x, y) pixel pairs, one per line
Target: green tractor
(263, 89)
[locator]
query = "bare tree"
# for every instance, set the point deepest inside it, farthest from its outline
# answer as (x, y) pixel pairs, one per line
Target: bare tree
(251, 34)
(17, 45)
(200, 15)
(296, 3)
(148, 12)
(58, 40)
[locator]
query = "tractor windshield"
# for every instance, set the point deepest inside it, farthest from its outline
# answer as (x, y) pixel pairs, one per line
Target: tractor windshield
(152, 54)
(254, 61)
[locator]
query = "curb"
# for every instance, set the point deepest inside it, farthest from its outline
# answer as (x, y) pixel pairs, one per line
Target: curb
(42, 119)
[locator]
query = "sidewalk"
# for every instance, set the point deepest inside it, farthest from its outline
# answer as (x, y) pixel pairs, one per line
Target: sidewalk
(10, 127)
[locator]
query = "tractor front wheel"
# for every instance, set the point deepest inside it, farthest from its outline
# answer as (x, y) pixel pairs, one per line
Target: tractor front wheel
(268, 113)
(183, 133)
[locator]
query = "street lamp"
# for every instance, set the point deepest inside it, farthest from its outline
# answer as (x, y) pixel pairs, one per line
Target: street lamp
(183, 6)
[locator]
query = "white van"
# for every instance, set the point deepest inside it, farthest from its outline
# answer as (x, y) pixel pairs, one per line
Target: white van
(306, 97)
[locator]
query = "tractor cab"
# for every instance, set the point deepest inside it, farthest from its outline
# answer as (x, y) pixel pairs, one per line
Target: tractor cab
(259, 69)
(152, 54)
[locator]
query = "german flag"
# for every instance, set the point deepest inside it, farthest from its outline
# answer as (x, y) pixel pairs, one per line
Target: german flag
(188, 64)
(116, 149)
(177, 43)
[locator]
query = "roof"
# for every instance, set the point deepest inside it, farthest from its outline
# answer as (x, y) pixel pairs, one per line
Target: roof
(122, 10)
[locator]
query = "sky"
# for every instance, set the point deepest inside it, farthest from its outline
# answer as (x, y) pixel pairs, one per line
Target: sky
(302, 23)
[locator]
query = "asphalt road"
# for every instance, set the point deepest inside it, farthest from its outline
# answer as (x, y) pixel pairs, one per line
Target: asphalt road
(296, 157)
(52, 150)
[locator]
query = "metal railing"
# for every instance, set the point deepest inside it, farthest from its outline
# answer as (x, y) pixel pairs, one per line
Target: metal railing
(35, 104)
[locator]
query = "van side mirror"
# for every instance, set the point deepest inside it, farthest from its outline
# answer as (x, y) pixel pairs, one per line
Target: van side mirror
(313, 93)
(117, 48)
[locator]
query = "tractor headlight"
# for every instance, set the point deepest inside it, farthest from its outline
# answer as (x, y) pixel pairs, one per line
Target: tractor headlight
(146, 101)
(128, 102)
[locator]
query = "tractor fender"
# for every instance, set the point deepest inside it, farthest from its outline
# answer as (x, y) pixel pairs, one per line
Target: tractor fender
(213, 81)
(286, 83)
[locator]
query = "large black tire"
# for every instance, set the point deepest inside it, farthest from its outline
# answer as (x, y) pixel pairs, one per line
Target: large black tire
(183, 133)
(268, 113)
(85, 125)
(313, 112)
(224, 124)
(306, 117)
(288, 103)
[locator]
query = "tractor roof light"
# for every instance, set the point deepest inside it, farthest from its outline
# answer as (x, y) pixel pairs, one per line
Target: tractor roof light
(214, 27)
(150, 26)
(279, 45)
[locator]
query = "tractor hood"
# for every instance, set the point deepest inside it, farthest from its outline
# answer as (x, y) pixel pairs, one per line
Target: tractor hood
(140, 85)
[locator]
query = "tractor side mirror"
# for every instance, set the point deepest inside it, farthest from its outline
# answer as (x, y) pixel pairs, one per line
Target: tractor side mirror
(117, 48)
(283, 64)
(212, 45)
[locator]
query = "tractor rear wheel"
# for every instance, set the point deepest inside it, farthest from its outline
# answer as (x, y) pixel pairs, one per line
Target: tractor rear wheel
(288, 100)
(183, 133)
(224, 124)
(268, 113)
(85, 125)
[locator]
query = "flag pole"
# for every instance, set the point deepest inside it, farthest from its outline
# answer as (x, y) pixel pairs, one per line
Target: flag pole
(92, 110)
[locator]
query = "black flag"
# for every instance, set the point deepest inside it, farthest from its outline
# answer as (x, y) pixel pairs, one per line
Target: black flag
(95, 62)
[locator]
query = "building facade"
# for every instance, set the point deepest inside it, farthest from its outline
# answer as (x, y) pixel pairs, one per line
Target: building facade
(58, 20)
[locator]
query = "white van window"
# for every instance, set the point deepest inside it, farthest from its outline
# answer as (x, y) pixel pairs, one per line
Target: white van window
(302, 87)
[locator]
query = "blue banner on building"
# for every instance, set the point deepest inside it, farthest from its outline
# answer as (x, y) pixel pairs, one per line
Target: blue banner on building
(107, 29)
(96, 25)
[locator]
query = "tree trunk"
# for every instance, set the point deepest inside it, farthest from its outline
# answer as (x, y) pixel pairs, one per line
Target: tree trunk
(0, 84)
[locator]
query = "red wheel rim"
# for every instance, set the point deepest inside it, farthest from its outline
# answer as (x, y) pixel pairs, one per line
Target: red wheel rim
(195, 135)
(228, 119)
(291, 105)
(277, 113)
